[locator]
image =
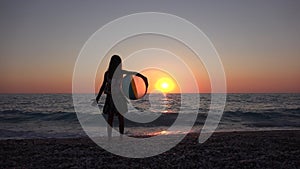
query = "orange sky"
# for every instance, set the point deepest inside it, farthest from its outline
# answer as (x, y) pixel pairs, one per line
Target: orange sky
(237, 84)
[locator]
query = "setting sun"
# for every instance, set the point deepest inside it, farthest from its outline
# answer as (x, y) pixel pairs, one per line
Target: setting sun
(164, 85)
(160, 81)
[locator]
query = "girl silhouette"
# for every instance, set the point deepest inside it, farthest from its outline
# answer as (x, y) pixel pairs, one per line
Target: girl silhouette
(114, 75)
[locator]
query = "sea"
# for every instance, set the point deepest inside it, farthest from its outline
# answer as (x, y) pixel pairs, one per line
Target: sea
(25, 116)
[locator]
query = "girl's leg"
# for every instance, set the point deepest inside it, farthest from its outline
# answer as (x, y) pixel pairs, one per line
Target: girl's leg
(110, 124)
(121, 124)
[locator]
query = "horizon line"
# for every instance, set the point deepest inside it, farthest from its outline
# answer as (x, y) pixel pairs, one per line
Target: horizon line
(297, 92)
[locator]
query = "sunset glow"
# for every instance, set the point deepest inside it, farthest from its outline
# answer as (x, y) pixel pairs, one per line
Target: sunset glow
(160, 81)
(165, 85)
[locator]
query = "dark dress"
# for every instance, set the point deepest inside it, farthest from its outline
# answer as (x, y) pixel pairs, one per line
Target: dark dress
(119, 98)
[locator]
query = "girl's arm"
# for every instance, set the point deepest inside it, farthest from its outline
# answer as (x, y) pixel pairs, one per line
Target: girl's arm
(137, 74)
(102, 87)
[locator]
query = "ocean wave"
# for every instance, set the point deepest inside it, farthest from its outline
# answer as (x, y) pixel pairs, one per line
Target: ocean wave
(277, 117)
(23, 116)
(265, 114)
(267, 118)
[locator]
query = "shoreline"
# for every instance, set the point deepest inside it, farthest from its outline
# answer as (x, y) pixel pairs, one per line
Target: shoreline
(149, 135)
(246, 149)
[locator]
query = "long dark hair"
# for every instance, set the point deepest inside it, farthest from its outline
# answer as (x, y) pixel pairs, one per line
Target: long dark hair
(115, 66)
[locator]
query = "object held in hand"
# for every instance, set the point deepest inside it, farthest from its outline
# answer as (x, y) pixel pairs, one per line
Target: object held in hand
(134, 87)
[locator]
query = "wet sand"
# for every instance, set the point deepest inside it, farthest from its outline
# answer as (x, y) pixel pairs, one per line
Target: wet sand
(259, 149)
